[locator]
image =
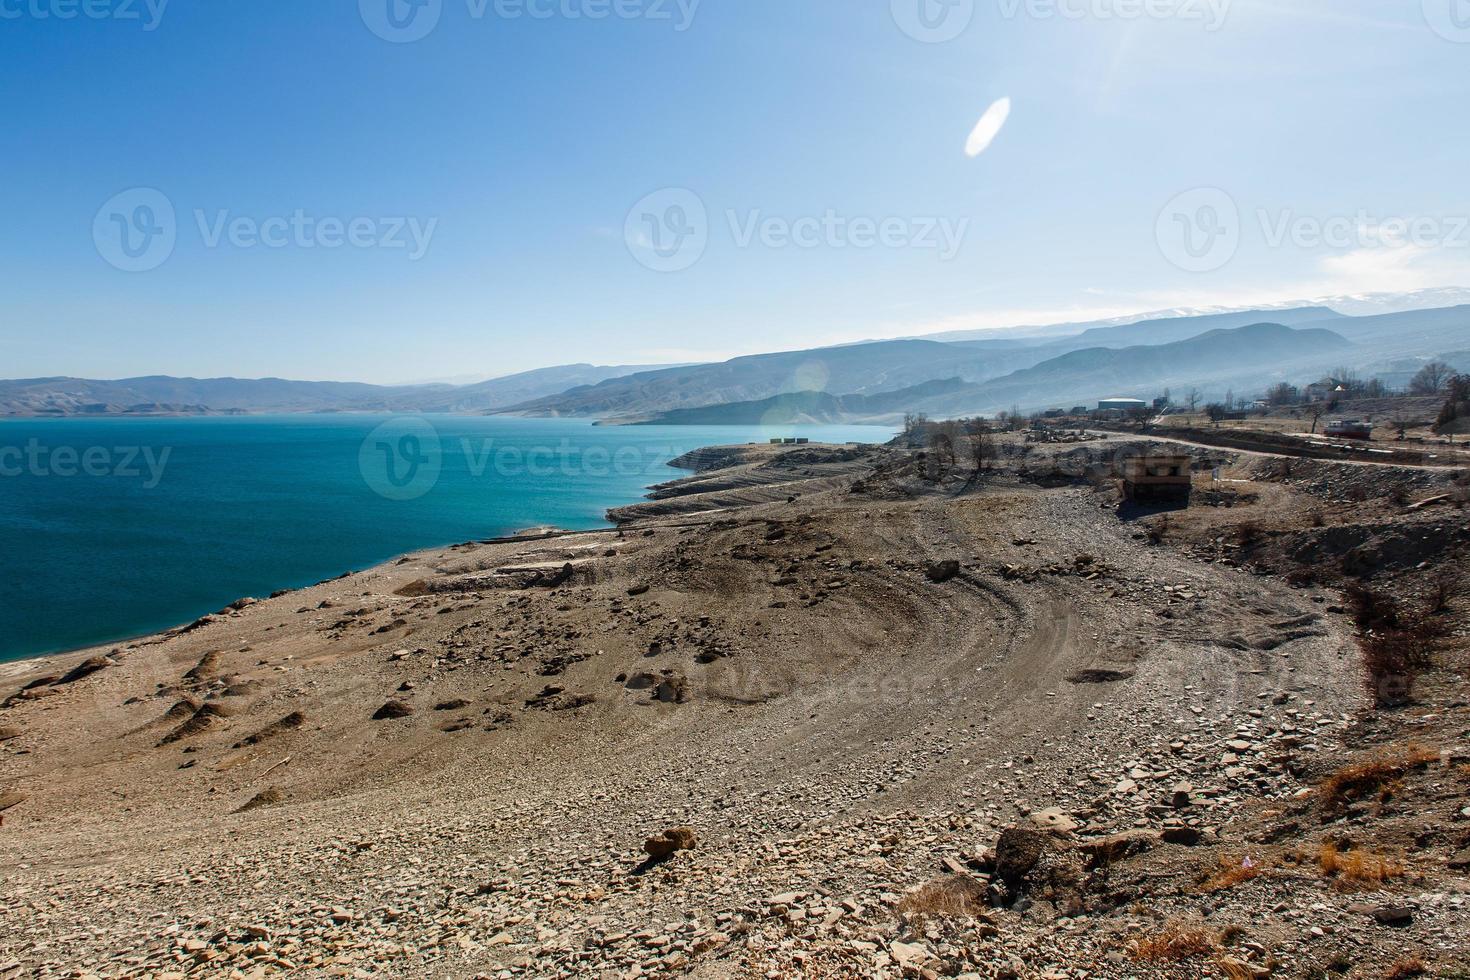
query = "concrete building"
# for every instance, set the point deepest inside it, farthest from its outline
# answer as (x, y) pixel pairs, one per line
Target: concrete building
(1122, 405)
(1157, 479)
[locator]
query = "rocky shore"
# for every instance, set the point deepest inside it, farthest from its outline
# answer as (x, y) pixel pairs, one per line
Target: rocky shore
(812, 711)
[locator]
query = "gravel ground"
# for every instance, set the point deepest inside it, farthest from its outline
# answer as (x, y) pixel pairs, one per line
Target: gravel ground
(449, 766)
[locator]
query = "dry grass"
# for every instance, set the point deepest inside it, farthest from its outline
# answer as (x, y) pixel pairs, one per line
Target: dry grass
(1405, 968)
(1173, 943)
(1374, 774)
(1231, 970)
(1357, 868)
(1231, 872)
(953, 897)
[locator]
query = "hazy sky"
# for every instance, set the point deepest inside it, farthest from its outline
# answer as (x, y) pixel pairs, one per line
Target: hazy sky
(401, 190)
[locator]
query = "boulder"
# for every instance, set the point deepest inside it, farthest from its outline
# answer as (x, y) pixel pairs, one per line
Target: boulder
(665, 844)
(393, 710)
(1054, 821)
(1017, 852)
(86, 668)
(1104, 851)
(941, 571)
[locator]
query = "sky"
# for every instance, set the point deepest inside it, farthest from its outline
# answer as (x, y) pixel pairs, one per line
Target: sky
(408, 190)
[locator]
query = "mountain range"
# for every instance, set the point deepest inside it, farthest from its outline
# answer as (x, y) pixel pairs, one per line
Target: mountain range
(1240, 350)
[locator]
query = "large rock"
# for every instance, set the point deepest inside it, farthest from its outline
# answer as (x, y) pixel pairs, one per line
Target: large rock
(393, 710)
(1054, 821)
(942, 571)
(1017, 852)
(87, 668)
(1104, 851)
(664, 845)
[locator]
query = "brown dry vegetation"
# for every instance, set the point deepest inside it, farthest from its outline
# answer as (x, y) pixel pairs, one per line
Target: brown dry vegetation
(1173, 943)
(1232, 871)
(1356, 868)
(1373, 774)
(944, 898)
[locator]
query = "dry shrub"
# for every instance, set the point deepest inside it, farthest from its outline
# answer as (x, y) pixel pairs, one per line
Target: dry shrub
(1374, 774)
(1357, 868)
(1233, 970)
(1249, 534)
(1173, 943)
(1158, 532)
(1403, 969)
(1397, 643)
(952, 897)
(1444, 586)
(1231, 872)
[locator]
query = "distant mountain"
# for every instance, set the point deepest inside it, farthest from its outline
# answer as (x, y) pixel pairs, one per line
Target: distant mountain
(810, 407)
(852, 369)
(857, 369)
(1352, 304)
(166, 395)
(1246, 358)
(1172, 329)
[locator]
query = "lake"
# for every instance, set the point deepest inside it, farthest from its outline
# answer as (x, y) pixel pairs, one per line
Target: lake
(115, 528)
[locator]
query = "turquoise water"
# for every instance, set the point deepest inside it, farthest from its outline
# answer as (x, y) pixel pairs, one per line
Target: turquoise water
(113, 528)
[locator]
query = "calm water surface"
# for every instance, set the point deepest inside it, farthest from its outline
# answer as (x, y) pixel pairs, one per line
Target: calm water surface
(112, 528)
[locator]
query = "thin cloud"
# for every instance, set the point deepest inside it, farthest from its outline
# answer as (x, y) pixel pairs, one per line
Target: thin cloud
(988, 128)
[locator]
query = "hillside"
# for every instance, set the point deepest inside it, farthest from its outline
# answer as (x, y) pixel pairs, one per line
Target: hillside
(813, 712)
(1245, 357)
(167, 395)
(856, 369)
(811, 407)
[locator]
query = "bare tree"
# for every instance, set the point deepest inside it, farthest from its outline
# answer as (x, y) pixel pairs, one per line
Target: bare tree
(1193, 397)
(1281, 394)
(1431, 379)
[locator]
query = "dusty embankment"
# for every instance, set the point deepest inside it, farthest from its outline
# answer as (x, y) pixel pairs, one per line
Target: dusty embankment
(449, 765)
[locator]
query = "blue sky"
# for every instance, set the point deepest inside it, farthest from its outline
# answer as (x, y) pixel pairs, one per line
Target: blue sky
(518, 146)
